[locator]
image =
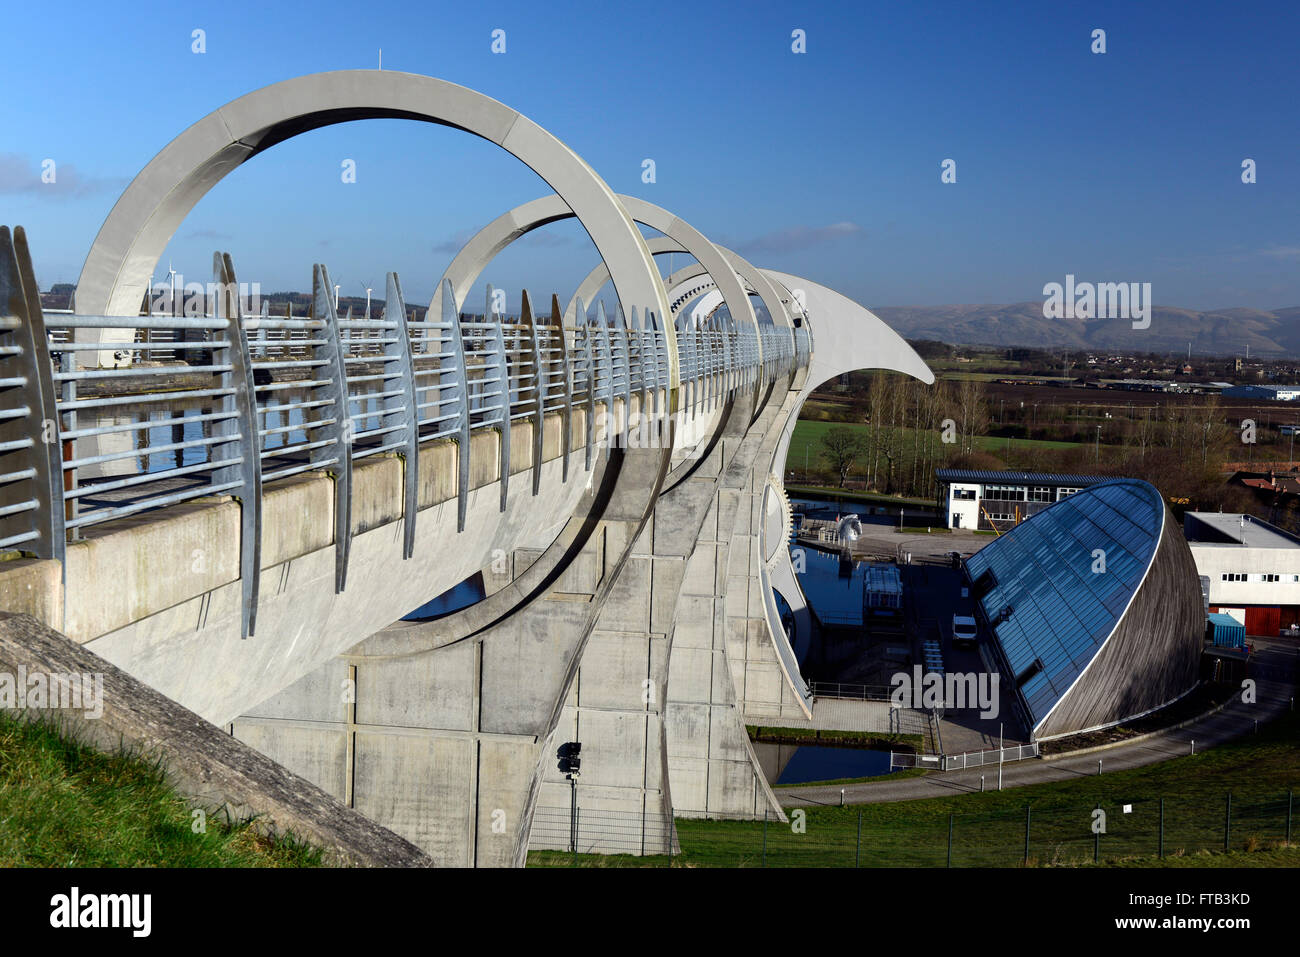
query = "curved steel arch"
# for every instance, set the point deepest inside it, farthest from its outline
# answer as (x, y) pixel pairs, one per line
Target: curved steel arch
(489, 241)
(121, 261)
(757, 282)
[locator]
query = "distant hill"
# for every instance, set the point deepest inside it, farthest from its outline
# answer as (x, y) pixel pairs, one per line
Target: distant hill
(1225, 332)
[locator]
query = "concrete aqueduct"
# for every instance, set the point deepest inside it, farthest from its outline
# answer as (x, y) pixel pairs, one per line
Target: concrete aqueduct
(617, 481)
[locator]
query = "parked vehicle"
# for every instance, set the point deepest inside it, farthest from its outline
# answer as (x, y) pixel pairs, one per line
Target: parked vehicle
(965, 631)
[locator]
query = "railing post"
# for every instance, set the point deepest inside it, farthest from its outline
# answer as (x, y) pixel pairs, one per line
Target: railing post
(566, 383)
(32, 512)
(586, 361)
(341, 430)
(539, 386)
(456, 339)
(637, 372)
(244, 448)
(400, 410)
(619, 336)
(604, 366)
(502, 364)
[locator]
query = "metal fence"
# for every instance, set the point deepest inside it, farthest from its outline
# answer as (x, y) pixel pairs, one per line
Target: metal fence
(603, 832)
(1029, 836)
(966, 759)
(835, 689)
(223, 403)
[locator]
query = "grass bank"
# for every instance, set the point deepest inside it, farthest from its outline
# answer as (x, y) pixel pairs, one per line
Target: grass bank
(1181, 806)
(63, 804)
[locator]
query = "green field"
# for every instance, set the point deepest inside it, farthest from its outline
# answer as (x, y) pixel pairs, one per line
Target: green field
(807, 440)
(63, 804)
(1261, 772)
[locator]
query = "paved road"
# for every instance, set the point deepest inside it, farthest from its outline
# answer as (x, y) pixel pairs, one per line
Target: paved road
(1276, 666)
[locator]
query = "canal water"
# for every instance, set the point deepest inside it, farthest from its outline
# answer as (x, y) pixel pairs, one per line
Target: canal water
(800, 764)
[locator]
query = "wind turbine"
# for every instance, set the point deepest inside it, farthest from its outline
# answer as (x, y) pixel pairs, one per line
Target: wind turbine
(369, 289)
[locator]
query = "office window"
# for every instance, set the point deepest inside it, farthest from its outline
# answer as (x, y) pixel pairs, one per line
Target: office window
(1040, 493)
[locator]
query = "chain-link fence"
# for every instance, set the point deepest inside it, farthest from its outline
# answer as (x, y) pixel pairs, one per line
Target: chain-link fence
(874, 836)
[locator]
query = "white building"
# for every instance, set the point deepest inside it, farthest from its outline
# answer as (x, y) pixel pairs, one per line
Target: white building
(983, 499)
(1253, 569)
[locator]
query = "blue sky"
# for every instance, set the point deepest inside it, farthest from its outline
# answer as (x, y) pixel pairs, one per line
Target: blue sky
(1117, 167)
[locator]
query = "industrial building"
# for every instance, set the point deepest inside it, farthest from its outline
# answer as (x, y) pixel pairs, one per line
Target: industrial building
(1280, 393)
(999, 500)
(1253, 569)
(1094, 607)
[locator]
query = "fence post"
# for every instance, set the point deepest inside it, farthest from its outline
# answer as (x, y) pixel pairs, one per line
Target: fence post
(341, 431)
(34, 513)
(1160, 852)
(857, 857)
(541, 385)
(1028, 811)
(243, 430)
(1227, 824)
(949, 839)
(400, 410)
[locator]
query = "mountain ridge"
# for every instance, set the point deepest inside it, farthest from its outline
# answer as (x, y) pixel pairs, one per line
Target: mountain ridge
(1223, 332)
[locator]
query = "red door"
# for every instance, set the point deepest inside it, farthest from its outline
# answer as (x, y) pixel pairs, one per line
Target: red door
(1264, 621)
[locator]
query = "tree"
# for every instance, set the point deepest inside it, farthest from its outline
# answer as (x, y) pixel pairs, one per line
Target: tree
(841, 447)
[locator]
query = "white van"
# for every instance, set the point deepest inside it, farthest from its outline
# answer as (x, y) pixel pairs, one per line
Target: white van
(965, 632)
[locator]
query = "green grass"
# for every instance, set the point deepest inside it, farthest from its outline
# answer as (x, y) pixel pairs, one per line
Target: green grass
(989, 828)
(872, 498)
(63, 804)
(863, 739)
(1271, 855)
(808, 434)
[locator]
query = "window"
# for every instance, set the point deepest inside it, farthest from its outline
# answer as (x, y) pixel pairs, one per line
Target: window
(1005, 493)
(1066, 492)
(1233, 577)
(1041, 493)
(965, 494)
(1029, 672)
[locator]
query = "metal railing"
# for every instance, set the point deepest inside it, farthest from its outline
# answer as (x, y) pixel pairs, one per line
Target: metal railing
(223, 403)
(966, 759)
(855, 692)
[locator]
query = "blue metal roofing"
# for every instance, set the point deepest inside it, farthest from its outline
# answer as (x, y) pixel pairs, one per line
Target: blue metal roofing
(1061, 607)
(1010, 477)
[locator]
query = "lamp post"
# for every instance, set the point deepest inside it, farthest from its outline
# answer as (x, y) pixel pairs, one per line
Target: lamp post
(570, 764)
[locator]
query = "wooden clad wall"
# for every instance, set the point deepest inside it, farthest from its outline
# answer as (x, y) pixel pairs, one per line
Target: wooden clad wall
(1153, 654)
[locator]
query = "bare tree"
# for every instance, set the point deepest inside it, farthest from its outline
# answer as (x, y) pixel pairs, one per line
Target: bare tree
(841, 447)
